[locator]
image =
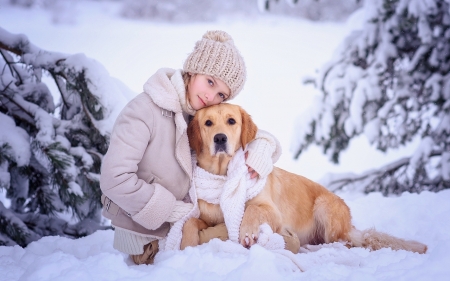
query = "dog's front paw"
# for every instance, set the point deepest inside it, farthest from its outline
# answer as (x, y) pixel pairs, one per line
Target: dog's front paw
(248, 235)
(190, 232)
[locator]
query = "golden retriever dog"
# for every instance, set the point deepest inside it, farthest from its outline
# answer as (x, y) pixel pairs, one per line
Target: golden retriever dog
(287, 202)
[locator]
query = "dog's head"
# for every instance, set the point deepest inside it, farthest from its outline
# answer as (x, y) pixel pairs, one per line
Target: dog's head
(221, 129)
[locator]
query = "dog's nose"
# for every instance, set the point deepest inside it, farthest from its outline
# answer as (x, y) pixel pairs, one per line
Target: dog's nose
(220, 139)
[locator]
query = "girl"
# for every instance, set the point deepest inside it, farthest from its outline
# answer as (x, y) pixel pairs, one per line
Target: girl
(146, 173)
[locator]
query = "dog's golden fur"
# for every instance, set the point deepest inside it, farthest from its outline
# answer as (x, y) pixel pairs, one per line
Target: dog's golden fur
(287, 202)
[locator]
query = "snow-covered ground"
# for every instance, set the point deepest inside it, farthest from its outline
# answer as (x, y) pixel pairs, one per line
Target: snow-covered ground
(278, 52)
(422, 217)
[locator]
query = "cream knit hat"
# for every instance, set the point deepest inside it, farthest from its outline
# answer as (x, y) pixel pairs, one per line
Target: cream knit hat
(216, 55)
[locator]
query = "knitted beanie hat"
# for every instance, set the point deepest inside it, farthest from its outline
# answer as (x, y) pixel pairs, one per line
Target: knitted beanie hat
(216, 55)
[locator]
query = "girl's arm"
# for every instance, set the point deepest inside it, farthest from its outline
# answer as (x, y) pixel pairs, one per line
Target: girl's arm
(263, 152)
(148, 204)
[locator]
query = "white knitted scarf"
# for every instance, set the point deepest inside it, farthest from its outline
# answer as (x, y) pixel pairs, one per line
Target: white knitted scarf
(231, 192)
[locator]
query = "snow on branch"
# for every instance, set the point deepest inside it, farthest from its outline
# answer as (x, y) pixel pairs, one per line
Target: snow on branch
(50, 152)
(394, 178)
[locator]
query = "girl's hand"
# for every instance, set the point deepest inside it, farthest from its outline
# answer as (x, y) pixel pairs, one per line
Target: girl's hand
(253, 173)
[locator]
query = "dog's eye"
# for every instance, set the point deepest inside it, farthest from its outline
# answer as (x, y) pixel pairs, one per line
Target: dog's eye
(231, 121)
(208, 123)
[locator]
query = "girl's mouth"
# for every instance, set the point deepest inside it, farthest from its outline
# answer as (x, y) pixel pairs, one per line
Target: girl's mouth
(204, 104)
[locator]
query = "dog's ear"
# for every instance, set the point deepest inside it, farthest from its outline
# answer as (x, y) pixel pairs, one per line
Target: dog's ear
(194, 136)
(249, 128)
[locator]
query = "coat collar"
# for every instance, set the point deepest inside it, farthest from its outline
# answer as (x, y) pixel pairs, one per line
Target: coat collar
(167, 90)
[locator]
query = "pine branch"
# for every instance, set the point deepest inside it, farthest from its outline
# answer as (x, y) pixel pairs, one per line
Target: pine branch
(12, 98)
(5, 153)
(14, 228)
(10, 63)
(373, 180)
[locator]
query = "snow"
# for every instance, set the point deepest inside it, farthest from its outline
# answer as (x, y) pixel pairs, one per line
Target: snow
(74, 188)
(445, 166)
(15, 137)
(110, 93)
(421, 217)
(278, 53)
(86, 158)
(422, 154)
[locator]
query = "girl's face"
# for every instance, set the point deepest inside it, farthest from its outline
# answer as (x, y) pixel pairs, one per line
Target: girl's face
(205, 90)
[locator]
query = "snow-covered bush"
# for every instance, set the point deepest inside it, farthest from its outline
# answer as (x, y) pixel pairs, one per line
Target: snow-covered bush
(186, 11)
(205, 10)
(316, 10)
(180, 11)
(41, 3)
(389, 81)
(171, 11)
(50, 154)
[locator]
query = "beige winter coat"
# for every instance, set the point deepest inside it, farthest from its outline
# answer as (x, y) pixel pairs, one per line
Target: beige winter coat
(144, 174)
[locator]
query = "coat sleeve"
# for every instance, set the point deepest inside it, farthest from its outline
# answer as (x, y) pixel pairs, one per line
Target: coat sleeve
(263, 152)
(147, 204)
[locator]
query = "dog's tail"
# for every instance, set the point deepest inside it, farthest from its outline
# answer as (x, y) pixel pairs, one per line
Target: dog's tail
(374, 240)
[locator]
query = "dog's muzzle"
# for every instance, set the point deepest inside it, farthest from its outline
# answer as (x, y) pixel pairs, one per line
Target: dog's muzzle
(220, 143)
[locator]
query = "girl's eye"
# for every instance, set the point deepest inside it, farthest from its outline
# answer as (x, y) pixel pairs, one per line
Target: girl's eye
(222, 96)
(231, 121)
(210, 82)
(208, 123)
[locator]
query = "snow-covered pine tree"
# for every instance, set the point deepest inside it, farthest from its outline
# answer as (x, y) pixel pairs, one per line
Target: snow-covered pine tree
(389, 81)
(50, 155)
